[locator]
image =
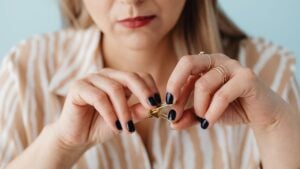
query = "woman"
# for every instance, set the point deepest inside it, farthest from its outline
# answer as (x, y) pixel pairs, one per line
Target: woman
(80, 97)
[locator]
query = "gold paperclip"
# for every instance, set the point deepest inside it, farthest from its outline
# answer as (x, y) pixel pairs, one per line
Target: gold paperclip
(160, 112)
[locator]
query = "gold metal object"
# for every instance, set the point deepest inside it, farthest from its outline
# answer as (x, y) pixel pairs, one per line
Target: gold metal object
(160, 112)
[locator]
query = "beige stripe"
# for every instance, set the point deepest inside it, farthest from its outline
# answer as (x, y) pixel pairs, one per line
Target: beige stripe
(229, 145)
(292, 98)
(74, 70)
(90, 54)
(242, 139)
(194, 135)
(41, 82)
(118, 144)
(296, 91)
(70, 58)
(5, 93)
(27, 104)
(156, 147)
(252, 55)
(8, 153)
(33, 91)
(8, 128)
(82, 162)
(101, 158)
(264, 57)
(107, 155)
(173, 155)
(132, 154)
(287, 75)
(50, 55)
(272, 64)
(279, 73)
(18, 144)
(163, 131)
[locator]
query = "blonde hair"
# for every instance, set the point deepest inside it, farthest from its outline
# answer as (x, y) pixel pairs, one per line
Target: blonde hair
(203, 26)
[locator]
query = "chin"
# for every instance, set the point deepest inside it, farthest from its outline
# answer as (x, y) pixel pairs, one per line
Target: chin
(140, 42)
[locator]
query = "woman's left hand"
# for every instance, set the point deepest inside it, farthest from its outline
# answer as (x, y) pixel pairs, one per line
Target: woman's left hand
(228, 92)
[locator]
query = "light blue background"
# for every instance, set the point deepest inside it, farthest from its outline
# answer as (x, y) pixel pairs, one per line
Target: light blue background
(276, 20)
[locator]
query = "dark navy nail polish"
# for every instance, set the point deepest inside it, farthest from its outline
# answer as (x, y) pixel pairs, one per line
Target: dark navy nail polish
(157, 99)
(169, 98)
(204, 124)
(118, 125)
(172, 115)
(130, 126)
(152, 101)
(200, 119)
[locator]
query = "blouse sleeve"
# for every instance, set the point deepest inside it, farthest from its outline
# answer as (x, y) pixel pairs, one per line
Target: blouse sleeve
(289, 87)
(276, 67)
(28, 100)
(13, 139)
(292, 93)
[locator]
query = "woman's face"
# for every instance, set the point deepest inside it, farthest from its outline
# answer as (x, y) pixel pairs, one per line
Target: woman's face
(136, 24)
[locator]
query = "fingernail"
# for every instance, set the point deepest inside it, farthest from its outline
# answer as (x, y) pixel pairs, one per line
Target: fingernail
(204, 124)
(200, 119)
(130, 126)
(169, 98)
(152, 101)
(157, 99)
(172, 115)
(118, 125)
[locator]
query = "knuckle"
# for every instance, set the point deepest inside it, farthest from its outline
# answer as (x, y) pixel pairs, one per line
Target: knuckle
(116, 88)
(92, 76)
(149, 77)
(233, 63)
(221, 56)
(104, 70)
(187, 60)
(202, 84)
(222, 96)
(99, 98)
(77, 84)
(145, 75)
(249, 75)
(132, 76)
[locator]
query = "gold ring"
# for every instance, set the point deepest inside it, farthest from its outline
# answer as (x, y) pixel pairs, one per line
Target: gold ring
(211, 61)
(221, 69)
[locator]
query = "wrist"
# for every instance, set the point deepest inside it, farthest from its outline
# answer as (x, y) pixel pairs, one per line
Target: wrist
(59, 153)
(62, 144)
(47, 152)
(273, 120)
(280, 140)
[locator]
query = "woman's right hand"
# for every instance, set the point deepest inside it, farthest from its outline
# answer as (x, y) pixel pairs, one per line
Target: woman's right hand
(96, 107)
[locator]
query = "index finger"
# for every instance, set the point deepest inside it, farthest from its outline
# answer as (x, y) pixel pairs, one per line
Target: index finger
(187, 66)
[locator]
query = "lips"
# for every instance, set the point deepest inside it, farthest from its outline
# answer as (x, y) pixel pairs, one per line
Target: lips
(137, 22)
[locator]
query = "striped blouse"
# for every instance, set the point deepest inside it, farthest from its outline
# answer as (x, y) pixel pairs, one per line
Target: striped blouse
(35, 77)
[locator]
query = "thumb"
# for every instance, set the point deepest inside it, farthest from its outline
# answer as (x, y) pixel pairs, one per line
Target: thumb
(188, 119)
(185, 93)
